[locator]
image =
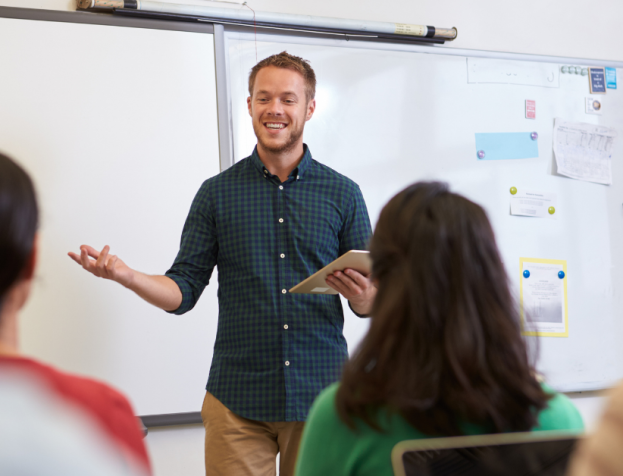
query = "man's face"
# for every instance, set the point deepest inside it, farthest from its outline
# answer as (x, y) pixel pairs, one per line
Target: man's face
(279, 109)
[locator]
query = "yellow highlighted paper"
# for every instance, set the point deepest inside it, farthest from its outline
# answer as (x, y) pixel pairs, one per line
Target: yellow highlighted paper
(543, 297)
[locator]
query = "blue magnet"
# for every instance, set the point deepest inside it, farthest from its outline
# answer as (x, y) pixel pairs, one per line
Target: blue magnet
(534, 136)
(526, 274)
(481, 154)
(561, 274)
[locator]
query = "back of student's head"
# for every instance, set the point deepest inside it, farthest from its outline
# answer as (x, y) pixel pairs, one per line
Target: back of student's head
(18, 222)
(444, 345)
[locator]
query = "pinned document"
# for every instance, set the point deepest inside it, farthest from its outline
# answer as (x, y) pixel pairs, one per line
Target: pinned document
(533, 204)
(584, 151)
(543, 297)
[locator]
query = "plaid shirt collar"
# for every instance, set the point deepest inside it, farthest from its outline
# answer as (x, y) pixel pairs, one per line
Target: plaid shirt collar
(296, 174)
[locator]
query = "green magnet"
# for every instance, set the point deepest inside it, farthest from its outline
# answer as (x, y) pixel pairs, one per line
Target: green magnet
(513, 190)
(551, 210)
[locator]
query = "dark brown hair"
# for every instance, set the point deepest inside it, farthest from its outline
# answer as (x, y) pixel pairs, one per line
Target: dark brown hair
(291, 62)
(19, 216)
(444, 346)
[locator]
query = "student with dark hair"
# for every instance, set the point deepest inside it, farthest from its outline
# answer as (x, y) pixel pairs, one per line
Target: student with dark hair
(96, 405)
(443, 356)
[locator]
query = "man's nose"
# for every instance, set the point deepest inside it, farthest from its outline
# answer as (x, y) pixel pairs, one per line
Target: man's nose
(276, 108)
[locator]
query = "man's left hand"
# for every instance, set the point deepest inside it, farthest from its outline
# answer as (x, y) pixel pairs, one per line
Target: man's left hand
(355, 287)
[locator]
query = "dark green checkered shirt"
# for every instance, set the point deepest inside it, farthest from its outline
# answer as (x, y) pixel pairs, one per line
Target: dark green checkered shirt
(274, 351)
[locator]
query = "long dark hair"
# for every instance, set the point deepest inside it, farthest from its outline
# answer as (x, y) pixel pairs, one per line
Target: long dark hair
(19, 217)
(444, 346)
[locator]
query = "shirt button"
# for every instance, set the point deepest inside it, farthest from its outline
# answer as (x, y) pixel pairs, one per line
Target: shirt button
(280, 187)
(297, 177)
(283, 291)
(287, 363)
(285, 327)
(281, 220)
(282, 255)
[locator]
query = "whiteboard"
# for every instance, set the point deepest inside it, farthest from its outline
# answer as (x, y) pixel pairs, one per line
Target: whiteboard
(118, 128)
(389, 115)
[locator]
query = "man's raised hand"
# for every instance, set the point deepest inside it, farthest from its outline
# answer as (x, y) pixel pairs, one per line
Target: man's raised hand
(103, 265)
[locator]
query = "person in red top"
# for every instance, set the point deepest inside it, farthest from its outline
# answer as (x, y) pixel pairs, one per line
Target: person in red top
(108, 410)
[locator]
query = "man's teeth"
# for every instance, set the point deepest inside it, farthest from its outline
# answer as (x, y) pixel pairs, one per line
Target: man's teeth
(275, 126)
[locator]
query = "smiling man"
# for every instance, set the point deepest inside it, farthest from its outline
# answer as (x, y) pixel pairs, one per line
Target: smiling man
(267, 223)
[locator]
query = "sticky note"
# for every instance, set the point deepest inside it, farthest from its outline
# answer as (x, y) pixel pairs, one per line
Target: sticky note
(611, 78)
(506, 145)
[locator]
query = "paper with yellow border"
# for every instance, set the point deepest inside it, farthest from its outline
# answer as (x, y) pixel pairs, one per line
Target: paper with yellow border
(543, 297)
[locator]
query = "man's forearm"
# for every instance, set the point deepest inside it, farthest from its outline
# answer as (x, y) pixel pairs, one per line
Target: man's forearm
(161, 291)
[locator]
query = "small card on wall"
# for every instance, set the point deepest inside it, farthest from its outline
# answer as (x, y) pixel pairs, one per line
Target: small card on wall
(593, 106)
(533, 204)
(530, 109)
(611, 78)
(597, 80)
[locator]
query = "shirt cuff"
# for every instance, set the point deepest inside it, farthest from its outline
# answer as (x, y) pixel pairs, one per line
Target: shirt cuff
(356, 313)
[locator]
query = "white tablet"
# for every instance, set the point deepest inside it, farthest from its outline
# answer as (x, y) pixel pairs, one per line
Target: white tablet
(354, 259)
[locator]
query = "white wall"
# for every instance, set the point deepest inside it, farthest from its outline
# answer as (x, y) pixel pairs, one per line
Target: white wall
(570, 28)
(574, 28)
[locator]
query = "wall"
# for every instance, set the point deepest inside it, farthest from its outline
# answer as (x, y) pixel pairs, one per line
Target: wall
(545, 27)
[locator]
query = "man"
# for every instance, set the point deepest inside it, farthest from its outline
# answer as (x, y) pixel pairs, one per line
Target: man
(268, 222)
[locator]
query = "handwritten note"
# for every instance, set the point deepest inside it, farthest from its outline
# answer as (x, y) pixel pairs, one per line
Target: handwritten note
(584, 151)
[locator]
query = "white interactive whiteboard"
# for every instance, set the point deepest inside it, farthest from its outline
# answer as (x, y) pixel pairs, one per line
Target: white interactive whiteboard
(388, 115)
(118, 128)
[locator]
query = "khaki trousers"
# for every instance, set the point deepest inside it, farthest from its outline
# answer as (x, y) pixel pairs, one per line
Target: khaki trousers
(236, 446)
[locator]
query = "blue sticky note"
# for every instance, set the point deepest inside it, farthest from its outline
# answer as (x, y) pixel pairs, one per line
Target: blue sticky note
(506, 145)
(611, 78)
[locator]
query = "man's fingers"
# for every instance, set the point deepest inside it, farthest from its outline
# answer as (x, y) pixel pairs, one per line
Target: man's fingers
(110, 265)
(75, 257)
(84, 259)
(92, 252)
(359, 278)
(101, 260)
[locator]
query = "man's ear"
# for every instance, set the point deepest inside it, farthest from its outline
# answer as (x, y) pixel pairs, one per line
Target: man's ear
(249, 106)
(31, 264)
(311, 107)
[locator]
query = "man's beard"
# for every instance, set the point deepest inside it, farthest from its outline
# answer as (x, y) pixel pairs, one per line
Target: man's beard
(287, 146)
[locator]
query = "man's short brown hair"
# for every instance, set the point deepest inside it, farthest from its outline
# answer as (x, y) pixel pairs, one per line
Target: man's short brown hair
(291, 62)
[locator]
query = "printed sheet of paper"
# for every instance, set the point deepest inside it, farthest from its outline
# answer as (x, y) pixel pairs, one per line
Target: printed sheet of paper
(543, 297)
(584, 151)
(533, 204)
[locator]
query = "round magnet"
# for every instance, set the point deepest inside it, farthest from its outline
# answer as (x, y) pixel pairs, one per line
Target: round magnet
(561, 274)
(565, 69)
(513, 190)
(578, 70)
(526, 274)
(534, 136)
(481, 154)
(584, 71)
(551, 210)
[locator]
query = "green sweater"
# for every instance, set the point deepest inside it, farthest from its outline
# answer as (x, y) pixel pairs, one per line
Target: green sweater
(330, 448)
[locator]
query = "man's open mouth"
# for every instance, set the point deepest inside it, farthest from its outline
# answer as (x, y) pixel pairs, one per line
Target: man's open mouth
(275, 125)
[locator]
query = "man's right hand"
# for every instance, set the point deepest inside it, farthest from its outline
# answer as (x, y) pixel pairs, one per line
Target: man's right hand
(161, 291)
(104, 265)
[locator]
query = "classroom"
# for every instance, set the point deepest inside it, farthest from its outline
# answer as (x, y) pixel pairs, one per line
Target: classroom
(119, 119)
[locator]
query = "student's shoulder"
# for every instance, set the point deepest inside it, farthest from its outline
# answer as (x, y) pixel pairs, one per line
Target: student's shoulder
(324, 407)
(560, 413)
(86, 390)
